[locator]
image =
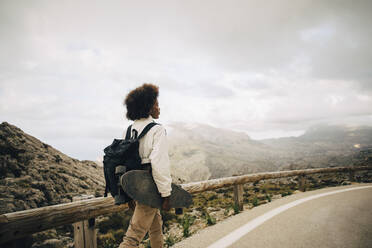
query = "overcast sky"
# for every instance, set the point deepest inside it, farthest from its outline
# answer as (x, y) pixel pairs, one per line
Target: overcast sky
(268, 68)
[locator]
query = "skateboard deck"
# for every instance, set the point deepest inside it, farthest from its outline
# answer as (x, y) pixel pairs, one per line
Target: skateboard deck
(140, 186)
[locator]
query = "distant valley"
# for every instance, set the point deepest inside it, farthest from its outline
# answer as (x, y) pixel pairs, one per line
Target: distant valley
(200, 152)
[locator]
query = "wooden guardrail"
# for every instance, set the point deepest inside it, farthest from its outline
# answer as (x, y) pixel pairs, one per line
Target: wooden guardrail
(23, 223)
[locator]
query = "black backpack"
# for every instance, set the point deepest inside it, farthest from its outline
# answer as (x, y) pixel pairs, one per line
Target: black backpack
(122, 152)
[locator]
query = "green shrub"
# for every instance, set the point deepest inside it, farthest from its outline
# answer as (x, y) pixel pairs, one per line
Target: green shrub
(255, 201)
(106, 241)
(236, 208)
(110, 239)
(212, 197)
(118, 235)
(114, 221)
(170, 241)
(227, 210)
(186, 222)
(108, 244)
(285, 193)
(210, 220)
(222, 190)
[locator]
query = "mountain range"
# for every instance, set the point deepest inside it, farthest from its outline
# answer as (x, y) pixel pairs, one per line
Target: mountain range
(200, 152)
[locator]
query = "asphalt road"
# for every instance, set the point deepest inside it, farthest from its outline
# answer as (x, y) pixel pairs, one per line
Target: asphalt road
(342, 219)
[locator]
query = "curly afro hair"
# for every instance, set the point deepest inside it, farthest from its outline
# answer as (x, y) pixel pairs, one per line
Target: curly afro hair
(140, 101)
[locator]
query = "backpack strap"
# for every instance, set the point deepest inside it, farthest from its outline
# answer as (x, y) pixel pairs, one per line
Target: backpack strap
(134, 134)
(127, 136)
(146, 129)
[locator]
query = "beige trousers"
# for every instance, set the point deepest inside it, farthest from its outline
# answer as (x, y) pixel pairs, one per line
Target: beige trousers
(145, 219)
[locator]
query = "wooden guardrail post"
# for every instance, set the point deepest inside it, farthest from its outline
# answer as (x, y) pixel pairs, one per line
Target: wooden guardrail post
(238, 196)
(302, 183)
(85, 234)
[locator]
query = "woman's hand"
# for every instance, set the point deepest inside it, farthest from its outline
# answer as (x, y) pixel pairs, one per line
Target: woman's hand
(165, 204)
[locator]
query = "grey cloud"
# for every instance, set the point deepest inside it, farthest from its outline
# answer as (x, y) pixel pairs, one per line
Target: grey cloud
(254, 83)
(260, 36)
(366, 84)
(237, 35)
(211, 90)
(71, 130)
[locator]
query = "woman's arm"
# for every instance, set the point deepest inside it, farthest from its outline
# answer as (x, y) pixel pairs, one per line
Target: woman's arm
(160, 164)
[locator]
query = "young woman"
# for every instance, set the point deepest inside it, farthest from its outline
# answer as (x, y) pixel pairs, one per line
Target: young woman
(142, 107)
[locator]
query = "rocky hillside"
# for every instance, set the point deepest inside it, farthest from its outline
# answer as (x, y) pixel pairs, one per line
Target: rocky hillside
(34, 174)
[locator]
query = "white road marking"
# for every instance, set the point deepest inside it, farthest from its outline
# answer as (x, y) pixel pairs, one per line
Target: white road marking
(243, 230)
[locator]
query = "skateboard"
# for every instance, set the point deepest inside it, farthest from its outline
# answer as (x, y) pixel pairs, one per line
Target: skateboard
(140, 186)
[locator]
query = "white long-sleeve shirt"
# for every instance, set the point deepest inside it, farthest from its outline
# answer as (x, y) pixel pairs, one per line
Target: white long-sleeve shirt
(153, 148)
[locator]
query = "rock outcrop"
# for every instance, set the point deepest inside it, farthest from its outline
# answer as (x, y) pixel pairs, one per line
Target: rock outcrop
(34, 174)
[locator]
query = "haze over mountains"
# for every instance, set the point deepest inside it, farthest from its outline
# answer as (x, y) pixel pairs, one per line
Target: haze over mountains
(199, 152)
